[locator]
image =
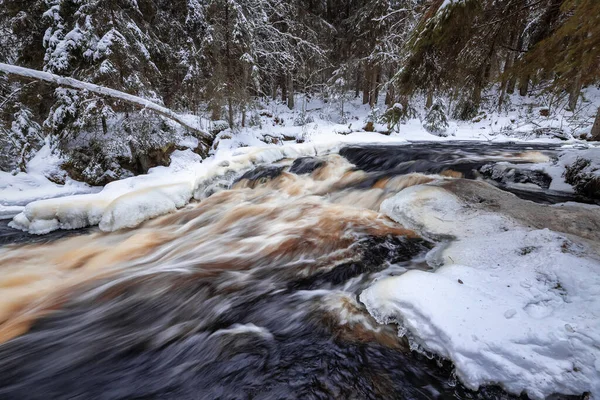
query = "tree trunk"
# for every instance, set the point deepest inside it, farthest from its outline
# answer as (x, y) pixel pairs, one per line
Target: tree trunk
(357, 87)
(373, 88)
(104, 126)
(101, 90)
(390, 95)
(215, 114)
(524, 85)
(429, 101)
(366, 83)
(404, 102)
(504, 85)
(377, 85)
(283, 90)
(574, 92)
(476, 96)
(290, 92)
(274, 89)
(510, 86)
(230, 111)
(596, 128)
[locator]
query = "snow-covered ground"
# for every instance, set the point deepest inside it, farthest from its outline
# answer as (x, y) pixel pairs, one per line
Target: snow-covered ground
(276, 132)
(17, 190)
(511, 304)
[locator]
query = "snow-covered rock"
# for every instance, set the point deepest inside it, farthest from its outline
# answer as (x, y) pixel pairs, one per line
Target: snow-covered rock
(510, 305)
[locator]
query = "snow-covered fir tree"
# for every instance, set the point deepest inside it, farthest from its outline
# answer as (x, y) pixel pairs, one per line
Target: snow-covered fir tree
(220, 58)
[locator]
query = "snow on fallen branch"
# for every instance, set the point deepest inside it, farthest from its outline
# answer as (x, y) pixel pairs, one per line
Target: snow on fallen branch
(77, 84)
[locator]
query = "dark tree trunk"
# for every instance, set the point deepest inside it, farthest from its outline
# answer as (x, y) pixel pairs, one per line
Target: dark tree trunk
(390, 95)
(230, 111)
(104, 126)
(377, 84)
(524, 85)
(574, 92)
(215, 111)
(429, 101)
(517, 42)
(274, 89)
(373, 87)
(283, 90)
(596, 127)
(510, 86)
(366, 84)
(290, 91)
(505, 82)
(404, 102)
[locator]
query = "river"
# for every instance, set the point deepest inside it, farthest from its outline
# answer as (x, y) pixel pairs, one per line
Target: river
(250, 293)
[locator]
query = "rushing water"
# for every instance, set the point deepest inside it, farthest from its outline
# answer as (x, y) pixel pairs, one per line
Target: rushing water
(251, 293)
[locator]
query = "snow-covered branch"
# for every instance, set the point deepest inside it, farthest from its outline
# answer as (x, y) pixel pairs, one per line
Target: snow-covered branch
(101, 90)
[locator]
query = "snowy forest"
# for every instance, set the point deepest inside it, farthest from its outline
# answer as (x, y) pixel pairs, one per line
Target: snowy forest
(218, 62)
(300, 199)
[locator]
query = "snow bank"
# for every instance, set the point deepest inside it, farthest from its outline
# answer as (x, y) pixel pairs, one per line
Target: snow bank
(128, 202)
(16, 190)
(511, 305)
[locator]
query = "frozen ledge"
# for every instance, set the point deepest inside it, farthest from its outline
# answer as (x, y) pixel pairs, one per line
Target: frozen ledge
(129, 202)
(511, 305)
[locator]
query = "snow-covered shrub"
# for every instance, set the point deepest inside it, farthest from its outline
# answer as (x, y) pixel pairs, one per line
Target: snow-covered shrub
(371, 119)
(255, 120)
(397, 114)
(217, 127)
(465, 110)
(133, 143)
(584, 176)
(338, 90)
(303, 118)
(435, 121)
(24, 138)
(393, 116)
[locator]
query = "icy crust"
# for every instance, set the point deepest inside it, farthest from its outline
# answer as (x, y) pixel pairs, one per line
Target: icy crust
(511, 305)
(128, 202)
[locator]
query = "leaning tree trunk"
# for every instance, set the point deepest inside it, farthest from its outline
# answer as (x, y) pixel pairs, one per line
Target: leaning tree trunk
(104, 91)
(596, 128)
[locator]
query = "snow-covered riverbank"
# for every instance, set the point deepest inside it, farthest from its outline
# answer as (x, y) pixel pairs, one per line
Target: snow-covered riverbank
(512, 302)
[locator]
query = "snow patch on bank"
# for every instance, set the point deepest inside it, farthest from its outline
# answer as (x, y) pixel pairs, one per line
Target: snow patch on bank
(18, 189)
(510, 305)
(128, 202)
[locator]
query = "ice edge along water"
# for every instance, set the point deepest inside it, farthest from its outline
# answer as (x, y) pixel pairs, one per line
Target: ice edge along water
(511, 305)
(129, 202)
